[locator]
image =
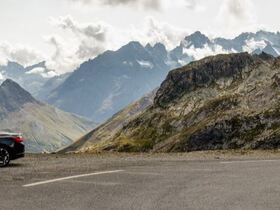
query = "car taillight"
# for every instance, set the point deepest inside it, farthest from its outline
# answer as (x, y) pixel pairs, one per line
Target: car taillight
(18, 139)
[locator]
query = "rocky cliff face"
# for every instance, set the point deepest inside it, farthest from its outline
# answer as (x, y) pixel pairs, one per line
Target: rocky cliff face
(106, 84)
(13, 97)
(221, 102)
(201, 74)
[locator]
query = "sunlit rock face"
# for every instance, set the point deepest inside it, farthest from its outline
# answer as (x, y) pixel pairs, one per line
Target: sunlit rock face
(220, 102)
(102, 86)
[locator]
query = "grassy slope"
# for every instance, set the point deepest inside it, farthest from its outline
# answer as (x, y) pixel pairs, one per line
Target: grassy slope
(46, 129)
(236, 111)
(102, 134)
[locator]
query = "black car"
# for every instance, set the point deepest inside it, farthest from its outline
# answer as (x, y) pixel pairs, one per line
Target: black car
(11, 147)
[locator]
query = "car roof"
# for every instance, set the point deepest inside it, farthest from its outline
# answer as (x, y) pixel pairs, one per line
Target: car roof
(9, 134)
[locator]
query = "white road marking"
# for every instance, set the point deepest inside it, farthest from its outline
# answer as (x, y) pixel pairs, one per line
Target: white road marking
(71, 177)
(248, 161)
(143, 173)
(93, 182)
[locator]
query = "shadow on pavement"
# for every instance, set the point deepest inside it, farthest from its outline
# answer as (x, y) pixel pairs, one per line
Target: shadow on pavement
(15, 165)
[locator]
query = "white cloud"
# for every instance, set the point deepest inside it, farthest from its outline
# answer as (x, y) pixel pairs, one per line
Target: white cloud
(43, 72)
(38, 70)
(3, 60)
(194, 5)
(199, 53)
(23, 55)
(238, 10)
(238, 15)
(50, 74)
(154, 31)
(191, 4)
(146, 4)
(253, 44)
(96, 31)
(91, 37)
(87, 40)
(64, 58)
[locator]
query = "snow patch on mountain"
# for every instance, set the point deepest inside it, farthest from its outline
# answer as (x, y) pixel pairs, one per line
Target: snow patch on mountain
(129, 63)
(146, 64)
(1, 77)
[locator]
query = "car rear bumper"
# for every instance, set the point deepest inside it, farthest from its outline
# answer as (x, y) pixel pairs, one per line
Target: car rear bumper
(17, 156)
(19, 150)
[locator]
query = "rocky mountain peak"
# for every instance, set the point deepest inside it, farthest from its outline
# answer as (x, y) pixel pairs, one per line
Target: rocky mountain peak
(45, 128)
(148, 47)
(197, 40)
(13, 97)
(270, 50)
(158, 50)
(134, 45)
(201, 73)
(38, 65)
(14, 64)
(160, 46)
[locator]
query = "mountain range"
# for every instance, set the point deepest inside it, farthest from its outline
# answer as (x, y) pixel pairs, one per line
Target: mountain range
(45, 128)
(99, 88)
(220, 102)
(104, 85)
(32, 78)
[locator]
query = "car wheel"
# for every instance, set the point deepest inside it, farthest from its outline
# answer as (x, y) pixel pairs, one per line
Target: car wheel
(4, 157)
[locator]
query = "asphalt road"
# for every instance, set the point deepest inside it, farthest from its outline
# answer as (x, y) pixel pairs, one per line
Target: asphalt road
(141, 182)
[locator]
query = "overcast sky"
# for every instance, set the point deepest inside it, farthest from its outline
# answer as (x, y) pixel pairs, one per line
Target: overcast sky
(66, 32)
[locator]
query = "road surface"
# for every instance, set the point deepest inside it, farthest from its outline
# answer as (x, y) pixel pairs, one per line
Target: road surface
(141, 182)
